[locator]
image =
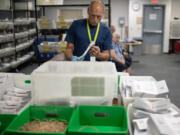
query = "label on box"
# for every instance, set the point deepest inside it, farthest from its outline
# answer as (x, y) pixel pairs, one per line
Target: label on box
(92, 59)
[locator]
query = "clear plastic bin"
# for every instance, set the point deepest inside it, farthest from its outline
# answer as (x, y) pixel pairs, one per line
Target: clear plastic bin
(57, 82)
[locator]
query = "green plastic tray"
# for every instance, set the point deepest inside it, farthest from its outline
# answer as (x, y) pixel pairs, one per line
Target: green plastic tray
(99, 120)
(41, 113)
(5, 120)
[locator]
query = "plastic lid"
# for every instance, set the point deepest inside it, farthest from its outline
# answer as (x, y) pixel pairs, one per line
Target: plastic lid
(27, 81)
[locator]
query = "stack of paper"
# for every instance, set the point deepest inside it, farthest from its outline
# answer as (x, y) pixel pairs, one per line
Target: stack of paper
(155, 118)
(145, 89)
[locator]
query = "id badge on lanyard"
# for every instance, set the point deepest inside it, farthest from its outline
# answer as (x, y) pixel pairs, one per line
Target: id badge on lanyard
(92, 58)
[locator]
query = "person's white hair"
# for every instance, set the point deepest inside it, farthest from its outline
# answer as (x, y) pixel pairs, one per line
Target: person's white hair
(116, 34)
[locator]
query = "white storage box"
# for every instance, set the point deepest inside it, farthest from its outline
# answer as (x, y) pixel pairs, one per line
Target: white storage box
(63, 25)
(49, 47)
(126, 100)
(50, 2)
(74, 82)
(49, 24)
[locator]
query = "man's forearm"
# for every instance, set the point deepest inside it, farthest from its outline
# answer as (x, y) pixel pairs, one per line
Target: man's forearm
(68, 54)
(104, 56)
(69, 51)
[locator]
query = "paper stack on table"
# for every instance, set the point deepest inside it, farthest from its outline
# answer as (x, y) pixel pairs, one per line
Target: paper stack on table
(12, 99)
(164, 124)
(145, 89)
(155, 106)
(155, 118)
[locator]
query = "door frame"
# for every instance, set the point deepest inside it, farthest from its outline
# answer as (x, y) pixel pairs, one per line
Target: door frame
(164, 18)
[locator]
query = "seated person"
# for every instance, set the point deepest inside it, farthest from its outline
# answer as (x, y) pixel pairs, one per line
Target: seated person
(128, 60)
(113, 29)
(123, 63)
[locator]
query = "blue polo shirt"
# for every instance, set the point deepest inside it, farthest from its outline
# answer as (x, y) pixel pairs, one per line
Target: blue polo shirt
(78, 36)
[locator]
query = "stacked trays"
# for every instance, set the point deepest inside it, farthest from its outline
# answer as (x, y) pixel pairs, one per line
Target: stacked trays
(86, 120)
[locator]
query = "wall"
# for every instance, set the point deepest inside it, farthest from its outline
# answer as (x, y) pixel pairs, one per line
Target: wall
(51, 12)
(81, 1)
(175, 9)
(119, 8)
(135, 30)
(5, 4)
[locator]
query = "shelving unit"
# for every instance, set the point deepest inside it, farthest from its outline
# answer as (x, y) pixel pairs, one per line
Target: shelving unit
(17, 34)
(7, 46)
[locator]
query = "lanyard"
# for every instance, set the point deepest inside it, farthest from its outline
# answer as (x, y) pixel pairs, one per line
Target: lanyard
(89, 33)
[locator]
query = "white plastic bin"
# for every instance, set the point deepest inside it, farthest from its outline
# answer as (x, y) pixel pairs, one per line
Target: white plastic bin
(57, 82)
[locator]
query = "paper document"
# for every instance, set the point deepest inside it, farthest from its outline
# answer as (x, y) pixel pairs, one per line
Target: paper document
(141, 124)
(83, 55)
(163, 125)
(162, 87)
(155, 106)
(138, 132)
(145, 89)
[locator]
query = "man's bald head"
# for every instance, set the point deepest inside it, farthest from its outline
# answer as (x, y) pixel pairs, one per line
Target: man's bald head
(96, 12)
(97, 5)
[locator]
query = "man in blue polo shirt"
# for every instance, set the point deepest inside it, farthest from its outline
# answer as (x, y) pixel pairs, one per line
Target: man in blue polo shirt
(85, 31)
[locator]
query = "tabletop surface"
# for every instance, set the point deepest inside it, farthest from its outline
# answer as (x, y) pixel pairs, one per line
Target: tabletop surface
(136, 43)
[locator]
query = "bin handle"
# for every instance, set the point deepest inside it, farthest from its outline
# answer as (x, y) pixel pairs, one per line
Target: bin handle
(55, 115)
(100, 114)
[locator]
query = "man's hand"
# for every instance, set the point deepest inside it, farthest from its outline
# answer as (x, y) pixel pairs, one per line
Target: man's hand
(125, 53)
(103, 56)
(95, 51)
(75, 58)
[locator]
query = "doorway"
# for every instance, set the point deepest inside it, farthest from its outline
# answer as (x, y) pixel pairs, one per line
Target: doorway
(153, 28)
